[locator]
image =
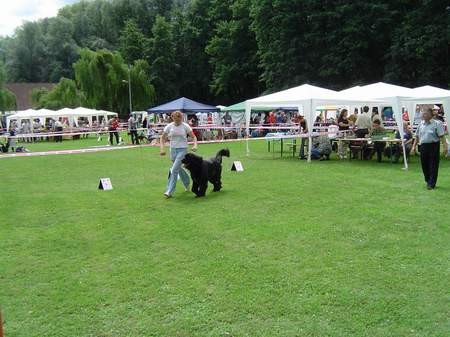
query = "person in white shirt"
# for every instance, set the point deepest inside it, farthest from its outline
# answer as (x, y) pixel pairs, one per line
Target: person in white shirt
(363, 123)
(178, 133)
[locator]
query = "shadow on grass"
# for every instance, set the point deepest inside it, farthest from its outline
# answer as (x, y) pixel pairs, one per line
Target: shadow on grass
(190, 198)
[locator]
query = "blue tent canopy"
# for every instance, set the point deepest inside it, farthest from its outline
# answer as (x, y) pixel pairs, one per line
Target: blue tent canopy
(185, 105)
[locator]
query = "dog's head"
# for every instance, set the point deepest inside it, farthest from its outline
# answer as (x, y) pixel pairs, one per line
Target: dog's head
(192, 161)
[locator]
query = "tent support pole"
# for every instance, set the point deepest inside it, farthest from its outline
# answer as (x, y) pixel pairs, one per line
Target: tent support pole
(405, 160)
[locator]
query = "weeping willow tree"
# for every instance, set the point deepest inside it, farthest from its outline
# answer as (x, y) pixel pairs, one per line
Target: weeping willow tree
(64, 95)
(143, 93)
(7, 98)
(102, 76)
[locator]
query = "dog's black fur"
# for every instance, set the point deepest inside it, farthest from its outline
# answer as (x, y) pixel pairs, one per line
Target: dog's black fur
(203, 171)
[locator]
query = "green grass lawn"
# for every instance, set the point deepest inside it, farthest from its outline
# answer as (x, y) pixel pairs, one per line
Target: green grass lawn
(287, 249)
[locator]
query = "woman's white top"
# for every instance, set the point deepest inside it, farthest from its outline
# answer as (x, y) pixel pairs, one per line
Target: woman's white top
(178, 134)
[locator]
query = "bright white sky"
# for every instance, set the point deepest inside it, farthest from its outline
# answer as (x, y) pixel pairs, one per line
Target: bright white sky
(14, 12)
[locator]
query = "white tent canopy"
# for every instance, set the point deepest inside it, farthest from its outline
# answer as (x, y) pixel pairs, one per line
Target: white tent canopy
(428, 95)
(408, 97)
(71, 114)
(379, 90)
(394, 95)
(307, 97)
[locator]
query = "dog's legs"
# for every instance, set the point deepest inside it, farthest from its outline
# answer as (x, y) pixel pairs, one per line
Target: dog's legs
(217, 182)
(194, 188)
(217, 185)
(202, 189)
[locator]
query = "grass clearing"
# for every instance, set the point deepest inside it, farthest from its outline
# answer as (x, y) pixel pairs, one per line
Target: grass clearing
(332, 248)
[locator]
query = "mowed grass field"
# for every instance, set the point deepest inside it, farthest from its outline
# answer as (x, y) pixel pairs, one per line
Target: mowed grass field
(287, 249)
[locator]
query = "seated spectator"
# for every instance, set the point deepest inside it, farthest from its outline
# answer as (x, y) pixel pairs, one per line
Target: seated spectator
(353, 117)
(377, 134)
(272, 118)
(151, 134)
(376, 116)
(227, 119)
(321, 147)
(258, 132)
(408, 138)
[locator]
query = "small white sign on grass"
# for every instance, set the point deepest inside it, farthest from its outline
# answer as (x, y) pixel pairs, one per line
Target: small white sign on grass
(237, 166)
(105, 184)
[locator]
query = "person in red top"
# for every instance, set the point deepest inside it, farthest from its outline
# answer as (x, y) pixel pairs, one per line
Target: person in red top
(405, 116)
(210, 119)
(272, 118)
(113, 126)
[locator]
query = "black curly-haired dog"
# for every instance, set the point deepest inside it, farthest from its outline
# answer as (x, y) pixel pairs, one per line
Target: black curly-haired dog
(203, 171)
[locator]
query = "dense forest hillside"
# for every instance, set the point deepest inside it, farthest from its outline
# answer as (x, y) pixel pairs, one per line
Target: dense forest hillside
(224, 51)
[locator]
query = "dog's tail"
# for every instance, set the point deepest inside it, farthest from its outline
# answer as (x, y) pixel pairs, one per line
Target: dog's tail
(221, 153)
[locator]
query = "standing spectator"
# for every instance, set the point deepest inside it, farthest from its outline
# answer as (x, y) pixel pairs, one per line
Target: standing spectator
(363, 123)
(11, 143)
(377, 135)
(343, 125)
(303, 130)
(27, 130)
(132, 129)
(428, 135)
(178, 133)
(113, 127)
(58, 129)
(436, 114)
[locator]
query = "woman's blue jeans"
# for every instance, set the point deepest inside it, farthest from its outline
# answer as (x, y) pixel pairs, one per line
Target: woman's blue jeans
(177, 155)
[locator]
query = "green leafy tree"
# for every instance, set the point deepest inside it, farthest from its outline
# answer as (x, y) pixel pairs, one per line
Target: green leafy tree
(280, 28)
(61, 48)
(162, 61)
(193, 26)
(99, 75)
(233, 56)
(346, 43)
(102, 77)
(64, 95)
(93, 23)
(419, 52)
(143, 93)
(7, 98)
(37, 95)
(132, 42)
(27, 62)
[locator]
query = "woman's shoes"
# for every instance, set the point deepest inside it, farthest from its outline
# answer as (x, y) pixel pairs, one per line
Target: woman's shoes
(167, 195)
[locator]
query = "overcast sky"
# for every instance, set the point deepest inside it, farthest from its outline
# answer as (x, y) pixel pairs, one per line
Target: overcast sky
(14, 12)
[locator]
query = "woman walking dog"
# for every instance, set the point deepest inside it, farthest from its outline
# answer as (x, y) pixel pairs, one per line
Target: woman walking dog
(178, 133)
